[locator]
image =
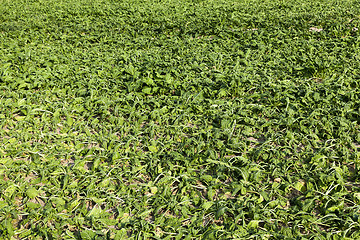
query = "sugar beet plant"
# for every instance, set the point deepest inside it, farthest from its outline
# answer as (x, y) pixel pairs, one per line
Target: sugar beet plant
(179, 119)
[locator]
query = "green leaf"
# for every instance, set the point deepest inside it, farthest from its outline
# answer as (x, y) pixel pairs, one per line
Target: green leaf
(146, 90)
(59, 202)
(12, 140)
(153, 148)
(32, 192)
(206, 178)
(206, 205)
(9, 191)
(121, 234)
(88, 234)
(300, 186)
(96, 212)
(220, 212)
(32, 205)
(211, 193)
(253, 224)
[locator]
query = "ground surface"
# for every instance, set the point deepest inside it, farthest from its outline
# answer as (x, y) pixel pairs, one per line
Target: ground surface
(179, 119)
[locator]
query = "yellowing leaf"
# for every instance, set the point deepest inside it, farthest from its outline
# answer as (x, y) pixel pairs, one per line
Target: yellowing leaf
(153, 190)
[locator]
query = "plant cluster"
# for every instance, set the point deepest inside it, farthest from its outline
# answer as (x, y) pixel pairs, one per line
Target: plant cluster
(191, 119)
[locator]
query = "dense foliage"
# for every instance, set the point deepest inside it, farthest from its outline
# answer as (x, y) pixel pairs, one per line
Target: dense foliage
(179, 119)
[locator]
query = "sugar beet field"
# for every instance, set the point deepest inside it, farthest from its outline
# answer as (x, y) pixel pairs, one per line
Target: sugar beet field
(179, 119)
